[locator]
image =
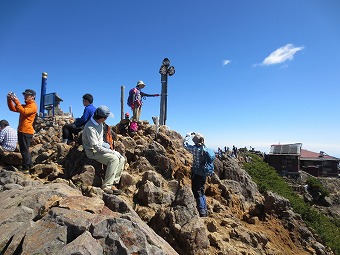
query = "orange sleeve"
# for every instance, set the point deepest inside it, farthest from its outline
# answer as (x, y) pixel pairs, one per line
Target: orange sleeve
(29, 109)
(11, 105)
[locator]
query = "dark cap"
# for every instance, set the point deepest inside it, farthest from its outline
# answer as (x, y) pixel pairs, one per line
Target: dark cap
(103, 111)
(29, 92)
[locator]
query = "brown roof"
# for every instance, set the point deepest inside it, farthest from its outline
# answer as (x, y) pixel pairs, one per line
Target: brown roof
(310, 155)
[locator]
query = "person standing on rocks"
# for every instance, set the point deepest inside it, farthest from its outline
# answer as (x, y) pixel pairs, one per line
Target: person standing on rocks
(8, 137)
(27, 111)
(135, 100)
(69, 130)
(198, 178)
(97, 149)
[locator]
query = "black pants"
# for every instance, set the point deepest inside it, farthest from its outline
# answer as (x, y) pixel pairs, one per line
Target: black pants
(197, 187)
(24, 145)
(69, 130)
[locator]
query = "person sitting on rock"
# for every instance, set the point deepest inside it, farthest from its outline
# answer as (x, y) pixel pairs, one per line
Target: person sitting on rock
(123, 126)
(97, 149)
(69, 130)
(8, 137)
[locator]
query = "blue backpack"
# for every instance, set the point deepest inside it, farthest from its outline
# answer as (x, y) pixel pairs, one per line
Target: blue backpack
(208, 157)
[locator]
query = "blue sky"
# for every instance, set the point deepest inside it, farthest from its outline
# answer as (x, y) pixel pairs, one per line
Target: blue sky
(248, 73)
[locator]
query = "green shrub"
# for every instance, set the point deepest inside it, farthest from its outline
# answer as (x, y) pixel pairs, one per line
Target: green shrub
(315, 185)
(267, 178)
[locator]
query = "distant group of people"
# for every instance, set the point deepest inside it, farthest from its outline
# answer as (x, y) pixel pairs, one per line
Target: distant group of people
(91, 123)
(233, 152)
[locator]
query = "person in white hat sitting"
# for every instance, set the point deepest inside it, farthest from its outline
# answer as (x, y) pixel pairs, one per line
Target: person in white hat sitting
(97, 149)
(136, 96)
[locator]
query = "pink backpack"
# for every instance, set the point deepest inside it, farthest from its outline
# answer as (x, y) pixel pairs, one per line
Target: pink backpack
(133, 126)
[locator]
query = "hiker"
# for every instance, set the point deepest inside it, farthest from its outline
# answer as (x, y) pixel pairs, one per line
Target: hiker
(219, 152)
(135, 100)
(27, 112)
(97, 149)
(123, 126)
(198, 179)
(234, 152)
(8, 137)
(69, 130)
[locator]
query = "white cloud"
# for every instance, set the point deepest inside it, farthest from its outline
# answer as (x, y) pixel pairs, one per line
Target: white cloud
(281, 55)
(226, 62)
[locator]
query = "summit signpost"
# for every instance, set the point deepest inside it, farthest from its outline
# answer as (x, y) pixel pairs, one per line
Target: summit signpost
(165, 71)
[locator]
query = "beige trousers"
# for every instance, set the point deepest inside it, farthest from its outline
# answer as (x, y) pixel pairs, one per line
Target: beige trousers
(136, 113)
(114, 167)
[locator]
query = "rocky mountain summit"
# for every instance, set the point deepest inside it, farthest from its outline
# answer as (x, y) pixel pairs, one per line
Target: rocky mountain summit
(60, 209)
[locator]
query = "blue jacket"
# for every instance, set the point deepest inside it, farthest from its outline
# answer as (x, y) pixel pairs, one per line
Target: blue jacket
(88, 112)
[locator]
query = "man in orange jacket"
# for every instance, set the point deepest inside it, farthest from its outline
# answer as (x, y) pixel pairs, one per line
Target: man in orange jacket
(27, 112)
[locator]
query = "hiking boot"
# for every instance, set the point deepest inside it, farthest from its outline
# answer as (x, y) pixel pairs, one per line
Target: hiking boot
(25, 171)
(112, 190)
(203, 213)
(107, 190)
(115, 190)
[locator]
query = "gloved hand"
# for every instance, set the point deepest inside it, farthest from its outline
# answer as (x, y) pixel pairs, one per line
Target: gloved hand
(157, 95)
(106, 145)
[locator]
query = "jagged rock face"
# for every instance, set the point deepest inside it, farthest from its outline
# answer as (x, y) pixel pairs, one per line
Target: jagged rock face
(55, 218)
(156, 214)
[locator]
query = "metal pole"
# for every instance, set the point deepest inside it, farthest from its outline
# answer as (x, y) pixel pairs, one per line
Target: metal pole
(122, 90)
(162, 106)
(164, 70)
(42, 94)
(53, 104)
(165, 99)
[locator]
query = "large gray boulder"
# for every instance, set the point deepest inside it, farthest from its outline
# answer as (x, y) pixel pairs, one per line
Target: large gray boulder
(54, 218)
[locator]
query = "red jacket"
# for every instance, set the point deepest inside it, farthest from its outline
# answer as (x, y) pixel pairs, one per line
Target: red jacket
(27, 114)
